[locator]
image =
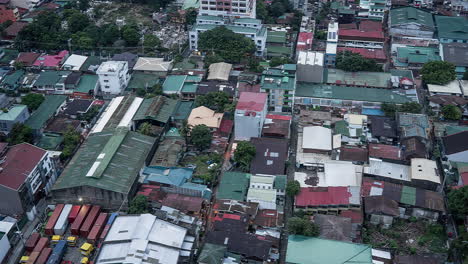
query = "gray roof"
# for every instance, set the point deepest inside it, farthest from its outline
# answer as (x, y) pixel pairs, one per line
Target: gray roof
(456, 53)
(125, 153)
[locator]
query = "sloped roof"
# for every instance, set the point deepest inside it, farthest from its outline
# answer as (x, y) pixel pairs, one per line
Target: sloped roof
(381, 206)
(406, 15)
(212, 254)
(452, 27)
(456, 143)
(202, 115)
(152, 64)
(233, 186)
(157, 108)
(45, 111)
(249, 101)
(334, 227)
(219, 71)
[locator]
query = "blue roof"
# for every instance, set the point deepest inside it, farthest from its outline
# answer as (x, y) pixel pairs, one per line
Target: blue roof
(372, 112)
(172, 176)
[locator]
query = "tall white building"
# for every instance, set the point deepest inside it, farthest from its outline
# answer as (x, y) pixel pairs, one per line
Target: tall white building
(113, 77)
(250, 115)
(235, 8)
(332, 44)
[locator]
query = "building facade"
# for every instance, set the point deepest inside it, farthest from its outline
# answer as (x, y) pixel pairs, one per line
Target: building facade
(9, 117)
(230, 8)
(113, 77)
(250, 115)
(280, 84)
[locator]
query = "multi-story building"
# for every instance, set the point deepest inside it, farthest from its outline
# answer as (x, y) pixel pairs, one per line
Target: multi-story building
(332, 44)
(27, 174)
(113, 77)
(368, 35)
(250, 115)
(456, 53)
(232, 8)
(26, 4)
(452, 29)
(310, 66)
(9, 117)
(249, 27)
(411, 22)
(280, 84)
(374, 9)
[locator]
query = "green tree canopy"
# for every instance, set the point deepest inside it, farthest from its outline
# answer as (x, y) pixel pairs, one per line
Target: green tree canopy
(71, 139)
(302, 226)
(77, 22)
(217, 101)
(191, 16)
(20, 133)
(146, 129)
(457, 201)
(438, 72)
(409, 107)
(277, 61)
(151, 42)
(139, 205)
(293, 188)
(200, 137)
(389, 109)
(33, 100)
(230, 46)
(244, 154)
(131, 35)
(451, 112)
(353, 62)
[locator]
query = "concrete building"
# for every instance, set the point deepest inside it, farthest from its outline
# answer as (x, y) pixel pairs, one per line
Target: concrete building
(456, 53)
(249, 27)
(27, 174)
(369, 35)
(113, 77)
(13, 115)
(144, 239)
(104, 171)
(411, 22)
(74, 62)
(332, 44)
(310, 66)
(261, 191)
(232, 8)
(6, 230)
(280, 84)
(373, 9)
(251, 110)
(26, 4)
(452, 29)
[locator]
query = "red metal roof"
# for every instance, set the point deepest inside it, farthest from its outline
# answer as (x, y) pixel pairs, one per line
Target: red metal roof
(304, 41)
(19, 161)
(247, 87)
(220, 217)
(355, 215)
(280, 117)
(315, 196)
(375, 54)
(226, 126)
(383, 151)
(355, 33)
(27, 58)
(6, 14)
(51, 60)
(370, 25)
(251, 101)
(368, 183)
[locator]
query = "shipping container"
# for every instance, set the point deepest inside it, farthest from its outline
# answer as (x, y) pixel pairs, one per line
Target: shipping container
(75, 228)
(58, 252)
(97, 228)
(44, 256)
(49, 229)
(104, 232)
(32, 241)
(62, 221)
(33, 257)
(74, 213)
(41, 244)
(88, 223)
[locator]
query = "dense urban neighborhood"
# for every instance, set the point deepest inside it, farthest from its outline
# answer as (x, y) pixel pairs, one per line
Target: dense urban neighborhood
(234, 131)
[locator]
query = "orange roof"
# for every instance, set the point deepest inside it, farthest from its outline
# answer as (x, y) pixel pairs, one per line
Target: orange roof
(204, 116)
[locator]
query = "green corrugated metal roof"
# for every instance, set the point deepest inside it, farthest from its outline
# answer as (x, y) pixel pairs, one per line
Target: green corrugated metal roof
(212, 254)
(276, 37)
(10, 54)
(408, 195)
(350, 93)
(420, 55)
(279, 50)
(13, 79)
(142, 80)
(452, 27)
(248, 20)
(157, 108)
(407, 15)
(122, 170)
(450, 130)
(233, 186)
(12, 113)
(50, 78)
(45, 111)
(174, 83)
(280, 182)
(312, 250)
(87, 83)
(341, 127)
(183, 110)
(368, 79)
(212, 18)
(273, 79)
(50, 141)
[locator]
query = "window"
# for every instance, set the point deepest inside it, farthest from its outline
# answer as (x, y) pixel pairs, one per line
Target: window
(107, 86)
(106, 81)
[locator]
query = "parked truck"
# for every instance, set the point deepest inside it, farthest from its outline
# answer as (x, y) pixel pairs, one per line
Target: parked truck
(62, 222)
(57, 253)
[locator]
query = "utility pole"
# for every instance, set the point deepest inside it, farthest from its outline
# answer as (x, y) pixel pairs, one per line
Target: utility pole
(69, 45)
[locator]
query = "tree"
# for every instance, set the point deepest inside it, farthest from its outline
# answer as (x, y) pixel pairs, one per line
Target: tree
(457, 201)
(33, 101)
(244, 154)
(200, 136)
(389, 109)
(212, 58)
(130, 35)
(83, 5)
(411, 107)
(191, 16)
(77, 22)
(277, 61)
(293, 188)
(151, 42)
(83, 41)
(139, 205)
(261, 10)
(230, 46)
(216, 101)
(302, 226)
(110, 34)
(92, 112)
(146, 129)
(71, 138)
(185, 130)
(465, 75)
(438, 72)
(353, 62)
(451, 112)
(20, 133)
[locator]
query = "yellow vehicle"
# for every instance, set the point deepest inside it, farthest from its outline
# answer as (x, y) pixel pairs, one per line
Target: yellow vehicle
(71, 240)
(24, 259)
(86, 249)
(55, 239)
(84, 260)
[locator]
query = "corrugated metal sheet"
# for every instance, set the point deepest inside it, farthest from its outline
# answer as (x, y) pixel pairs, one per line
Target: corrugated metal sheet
(408, 195)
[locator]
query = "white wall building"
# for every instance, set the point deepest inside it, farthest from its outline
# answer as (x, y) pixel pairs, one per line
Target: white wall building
(234, 8)
(261, 191)
(310, 66)
(251, 111)
(113, 77)
(332, 44)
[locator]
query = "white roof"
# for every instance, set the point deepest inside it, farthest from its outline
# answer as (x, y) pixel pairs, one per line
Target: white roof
(219, 71)
(452, 87)
(354, 119)
(317, 137)
(340, 173)
(390, 170)
(310, 58)
(108, 112)
(111, 66)
(381, 254)
(127, 118)
(75, 62)
(464, 87)
(152, 64)
(332, 34)
(5, 226)
(136, 238)
(267, 195)
(424, 169)
(267, 179)
(309, 159)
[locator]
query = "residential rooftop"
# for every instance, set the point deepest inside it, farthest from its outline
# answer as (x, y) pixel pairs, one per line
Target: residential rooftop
(46, 110)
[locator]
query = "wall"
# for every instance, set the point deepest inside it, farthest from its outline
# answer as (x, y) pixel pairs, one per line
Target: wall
(4, 247)
(104, 198)
(10, 202)
(309, 73)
